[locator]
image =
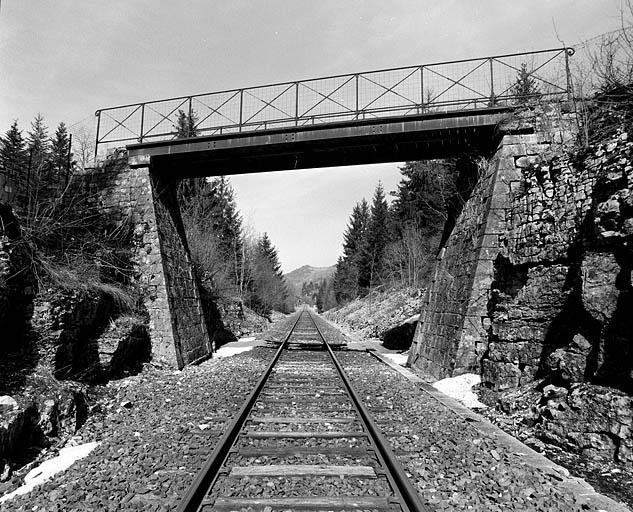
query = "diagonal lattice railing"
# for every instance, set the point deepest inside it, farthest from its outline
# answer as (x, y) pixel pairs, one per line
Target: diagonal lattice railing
(441, 87)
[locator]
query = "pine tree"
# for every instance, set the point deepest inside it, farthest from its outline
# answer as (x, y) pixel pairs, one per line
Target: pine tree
(423, 196)
(374, 241)
(39, 144)
(60, 158)
(38, 179)
(186, 127)
(269, 289)
(186, 124)
(211, 207)
(346, 279)
(355, 232)
(13, 155)
(525, 88)
(270, 253)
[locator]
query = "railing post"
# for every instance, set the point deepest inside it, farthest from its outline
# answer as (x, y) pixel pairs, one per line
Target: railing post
(492, 85)
(569, 91)
(296, 103)
(357, 113)
(241, 108)
(190, 120)
(98, 114)
(142, 121)
(422, 88)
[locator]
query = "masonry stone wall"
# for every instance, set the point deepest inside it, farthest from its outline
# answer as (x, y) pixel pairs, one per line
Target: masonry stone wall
(452, 336)
(563, 283)
(449, 333)
(137, 199)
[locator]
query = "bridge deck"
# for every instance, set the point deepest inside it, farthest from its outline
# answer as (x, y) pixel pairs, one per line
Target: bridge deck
(402, 138)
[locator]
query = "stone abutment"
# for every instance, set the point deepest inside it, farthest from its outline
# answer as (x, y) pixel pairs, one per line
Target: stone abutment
(161, 258)
(453, 334)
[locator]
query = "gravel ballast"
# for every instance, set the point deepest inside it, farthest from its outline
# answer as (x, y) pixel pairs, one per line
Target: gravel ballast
(453, 465)
(157, 429)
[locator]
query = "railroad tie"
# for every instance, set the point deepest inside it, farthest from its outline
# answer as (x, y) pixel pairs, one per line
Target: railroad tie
(302, 503)
(293, 470)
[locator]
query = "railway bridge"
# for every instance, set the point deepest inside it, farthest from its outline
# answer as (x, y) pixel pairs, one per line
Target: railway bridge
(427, 111)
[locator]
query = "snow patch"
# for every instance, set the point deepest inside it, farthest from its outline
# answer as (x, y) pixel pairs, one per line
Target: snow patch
(47, 469)
(459, 388)
(249, 338)
(227, 351)
(400, 359)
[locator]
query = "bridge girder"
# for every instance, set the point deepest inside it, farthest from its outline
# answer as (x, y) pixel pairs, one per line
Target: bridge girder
(424, 136)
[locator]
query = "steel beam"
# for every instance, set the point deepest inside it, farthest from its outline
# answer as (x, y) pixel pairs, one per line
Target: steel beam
(344, 143)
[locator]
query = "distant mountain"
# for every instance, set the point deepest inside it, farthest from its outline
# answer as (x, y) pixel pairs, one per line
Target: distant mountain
(306, 275)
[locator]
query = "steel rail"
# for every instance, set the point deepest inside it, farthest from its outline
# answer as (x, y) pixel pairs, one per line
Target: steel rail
(405, 488)
(203, 481)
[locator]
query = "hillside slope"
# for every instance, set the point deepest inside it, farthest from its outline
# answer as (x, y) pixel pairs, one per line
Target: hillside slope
(376, 315)
(305, 275)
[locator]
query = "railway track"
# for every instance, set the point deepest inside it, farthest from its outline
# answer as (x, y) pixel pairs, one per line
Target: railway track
(303, 440)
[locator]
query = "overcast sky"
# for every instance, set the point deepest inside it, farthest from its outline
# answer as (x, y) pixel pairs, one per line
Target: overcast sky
(68, 58)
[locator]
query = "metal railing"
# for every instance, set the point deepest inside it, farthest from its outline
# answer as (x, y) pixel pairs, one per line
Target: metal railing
(439, 87)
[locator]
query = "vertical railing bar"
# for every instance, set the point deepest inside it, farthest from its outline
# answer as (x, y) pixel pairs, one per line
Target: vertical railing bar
(492, 85)
(422, 87)
(98, 114)
(357, 113)
(296, 103)
(569, 92)
(142, 121)
(190, 120)
(241, 108)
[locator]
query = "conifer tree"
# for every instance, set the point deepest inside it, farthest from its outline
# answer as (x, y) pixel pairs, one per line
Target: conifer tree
(60, 158)
(39, 151)
(346, 279)
(269, 251)
(186, 124)
(13, 155)
(374, 241)
(38, 144)
(525, 88)
(355, 232)
(185, 128)
(269, 289)
(211, 208)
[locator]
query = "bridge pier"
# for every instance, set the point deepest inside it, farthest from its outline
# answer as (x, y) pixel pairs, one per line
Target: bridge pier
(160, 257)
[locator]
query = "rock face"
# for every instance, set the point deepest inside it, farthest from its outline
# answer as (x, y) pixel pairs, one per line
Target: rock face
(524, 302)
(17, 282)
(562, 298)
(45, 411)
(564, 286)
(593, 420)
(570, 364)
(123, 347)
(83, 336)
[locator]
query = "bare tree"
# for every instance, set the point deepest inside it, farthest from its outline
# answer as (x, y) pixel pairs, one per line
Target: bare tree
(84, 147)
